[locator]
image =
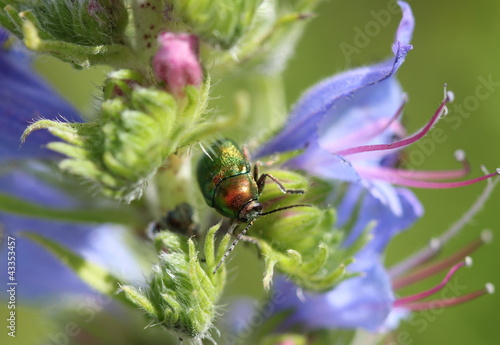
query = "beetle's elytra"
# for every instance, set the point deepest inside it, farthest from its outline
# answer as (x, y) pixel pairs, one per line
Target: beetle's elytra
(225, 180)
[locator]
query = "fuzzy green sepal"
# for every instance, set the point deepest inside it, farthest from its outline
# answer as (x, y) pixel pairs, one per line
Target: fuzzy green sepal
(183, 291)
(302, 242)
(123, 149)
(80, 32)
(137, 129)
(221, 22)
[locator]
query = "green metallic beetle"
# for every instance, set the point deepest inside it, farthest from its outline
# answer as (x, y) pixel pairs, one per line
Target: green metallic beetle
(226, 182)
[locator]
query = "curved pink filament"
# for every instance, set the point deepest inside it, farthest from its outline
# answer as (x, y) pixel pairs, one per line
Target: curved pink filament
(423, 174)
(441, 265)
(393, 177)
(448, 302)
(416, 297)
(375, 129)
(400, 143)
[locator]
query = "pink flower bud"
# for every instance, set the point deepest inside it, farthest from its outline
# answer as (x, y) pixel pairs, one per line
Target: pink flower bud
(176, 62)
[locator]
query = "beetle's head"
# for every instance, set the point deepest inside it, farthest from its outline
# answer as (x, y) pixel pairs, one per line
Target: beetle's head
(250, 211)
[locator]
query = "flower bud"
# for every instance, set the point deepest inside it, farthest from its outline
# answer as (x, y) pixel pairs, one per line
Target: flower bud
(136, 129)
(124, 148)
(305, 247)
(176, 62)
(301, 242)
(83, 32)
(292, 180)
(121, 83)
(183, 291)
(221, 22)
(82, 22)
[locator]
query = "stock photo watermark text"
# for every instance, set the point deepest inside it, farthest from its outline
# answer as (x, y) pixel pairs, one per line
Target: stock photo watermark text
(11, 286)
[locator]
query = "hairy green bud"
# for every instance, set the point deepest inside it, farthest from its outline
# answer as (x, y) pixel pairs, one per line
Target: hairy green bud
(302, 242)
(124, 148)
(183, 290)
(137, 129)
(270, 38)
(82, 32)
(221, 22)
(81, 22)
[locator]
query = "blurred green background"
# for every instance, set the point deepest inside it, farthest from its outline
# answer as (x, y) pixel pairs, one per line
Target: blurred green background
(454, 44)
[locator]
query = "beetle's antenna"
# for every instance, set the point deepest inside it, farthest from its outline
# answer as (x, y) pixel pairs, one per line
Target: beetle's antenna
(231, 247)
(284, 208)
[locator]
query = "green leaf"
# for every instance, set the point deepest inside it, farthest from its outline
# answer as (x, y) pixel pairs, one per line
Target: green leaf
(101, 215)
(95, 276)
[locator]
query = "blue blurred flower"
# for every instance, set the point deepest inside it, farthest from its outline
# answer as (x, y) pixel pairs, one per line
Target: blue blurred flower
(25, 97)
(348, 126)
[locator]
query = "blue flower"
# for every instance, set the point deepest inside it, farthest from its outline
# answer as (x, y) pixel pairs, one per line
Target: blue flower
(25, 97)
(348, 126)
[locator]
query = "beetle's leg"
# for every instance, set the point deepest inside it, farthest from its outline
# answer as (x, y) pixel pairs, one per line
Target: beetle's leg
(256, 172)
(261, 182)
(232, 225)
(246, 154)
(231, 247)
(249, 239)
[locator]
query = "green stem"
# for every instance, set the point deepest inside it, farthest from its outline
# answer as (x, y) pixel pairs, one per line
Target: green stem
(268, 106)
(148, 22)
(174, 182)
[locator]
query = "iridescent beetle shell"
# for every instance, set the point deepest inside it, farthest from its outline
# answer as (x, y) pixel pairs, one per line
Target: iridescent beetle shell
(226, 182)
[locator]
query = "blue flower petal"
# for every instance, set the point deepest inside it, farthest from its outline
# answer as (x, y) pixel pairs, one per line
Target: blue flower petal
(349, 124)
(301, 128)
(405, 29)
(372, 209)
(42, 276)
(353, 119)
(319, 162)
(25, 98)
(360, 302)
(38, 273)
(239, 319)
(23, 184)
(394, 319)
(4, 36)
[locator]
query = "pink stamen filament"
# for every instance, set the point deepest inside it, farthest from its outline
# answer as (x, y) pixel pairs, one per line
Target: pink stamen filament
(423, 175)
(404, 142)
(440, 175)
(413, 298)
(375, 129)
(441, 265)
(427, 253)
(448, 302)
(393, 177)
